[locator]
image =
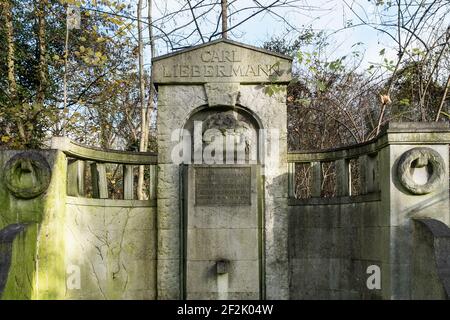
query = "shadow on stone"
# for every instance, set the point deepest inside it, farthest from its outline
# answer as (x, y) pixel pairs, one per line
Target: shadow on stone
(7, 236)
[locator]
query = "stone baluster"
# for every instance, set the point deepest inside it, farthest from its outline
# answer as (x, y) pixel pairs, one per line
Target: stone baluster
(153, 181)
(75, 178)
(291, 179)
(99, 182)
(316, 185)
(343, 177)
(128, 182)
(368, 173)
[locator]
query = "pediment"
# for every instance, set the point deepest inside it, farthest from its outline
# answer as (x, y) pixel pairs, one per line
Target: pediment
(222, 61)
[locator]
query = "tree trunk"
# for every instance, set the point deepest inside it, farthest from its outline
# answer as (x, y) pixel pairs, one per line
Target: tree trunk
(42, 67)
(150, 102)
(444, 96)
(224, 19)
(12, 84)
(7, 9)
(140, 189)
(66, 60)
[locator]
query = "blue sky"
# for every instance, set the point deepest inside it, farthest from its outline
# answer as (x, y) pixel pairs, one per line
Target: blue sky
(327, 15)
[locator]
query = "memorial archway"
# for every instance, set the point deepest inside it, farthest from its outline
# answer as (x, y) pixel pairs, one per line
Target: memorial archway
(222, 207)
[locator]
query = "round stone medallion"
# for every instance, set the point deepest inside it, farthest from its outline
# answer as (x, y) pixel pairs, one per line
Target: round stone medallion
(27, 175)
(421, 157)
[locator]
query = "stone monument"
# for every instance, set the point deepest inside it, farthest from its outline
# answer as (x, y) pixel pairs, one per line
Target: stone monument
(222, 186)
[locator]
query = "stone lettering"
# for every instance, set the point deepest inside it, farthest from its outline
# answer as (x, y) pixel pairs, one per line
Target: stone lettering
(220, 64)
(209, 71)
(236, 70)
(219, 56)
(226, 186)
(196, 71)
(221, 70)
(185, 71)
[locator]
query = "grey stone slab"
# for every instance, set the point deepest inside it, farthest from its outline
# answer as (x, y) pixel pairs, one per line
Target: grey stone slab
(222, 61)
(216, 244)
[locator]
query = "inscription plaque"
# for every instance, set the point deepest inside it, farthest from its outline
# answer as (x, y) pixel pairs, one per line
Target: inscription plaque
(215, 186)
(222, 61)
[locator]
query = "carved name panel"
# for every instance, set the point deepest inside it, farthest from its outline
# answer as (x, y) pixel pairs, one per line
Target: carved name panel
(222, 61)
(222, 186)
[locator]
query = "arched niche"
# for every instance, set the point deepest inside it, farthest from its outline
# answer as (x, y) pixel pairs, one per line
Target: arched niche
(223, 135)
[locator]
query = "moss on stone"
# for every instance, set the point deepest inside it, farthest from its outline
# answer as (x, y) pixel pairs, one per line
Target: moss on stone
(37, 264)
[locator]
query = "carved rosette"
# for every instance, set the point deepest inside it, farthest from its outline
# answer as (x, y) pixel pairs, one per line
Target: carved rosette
(418, 158)
(27, 175)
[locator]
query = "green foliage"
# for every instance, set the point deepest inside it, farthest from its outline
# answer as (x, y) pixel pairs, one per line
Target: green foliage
(407, 99)
(100, 56)
(272, 89)
(322, 109)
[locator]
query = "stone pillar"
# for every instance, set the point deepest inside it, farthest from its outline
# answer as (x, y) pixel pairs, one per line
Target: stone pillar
(414, 184)
(272, 112)
(222, 74)
(32, 225)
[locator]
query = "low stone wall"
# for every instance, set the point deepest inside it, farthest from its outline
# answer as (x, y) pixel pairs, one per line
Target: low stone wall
(111, 244)
(55, 243)
(331, 245)
(54, 246)
(336, 243)
(431, 260)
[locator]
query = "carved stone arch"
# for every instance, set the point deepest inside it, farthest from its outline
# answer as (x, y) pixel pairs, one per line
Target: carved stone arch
(237, 121)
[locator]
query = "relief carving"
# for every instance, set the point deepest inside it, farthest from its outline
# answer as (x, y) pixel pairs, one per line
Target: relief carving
(27, 175)
(229, 126)
(421, 157)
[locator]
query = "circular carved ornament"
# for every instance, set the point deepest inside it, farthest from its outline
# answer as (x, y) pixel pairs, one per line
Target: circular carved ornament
(27, 175)
(418, 158)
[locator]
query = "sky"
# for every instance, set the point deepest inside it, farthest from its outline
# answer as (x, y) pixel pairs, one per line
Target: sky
(322, 15)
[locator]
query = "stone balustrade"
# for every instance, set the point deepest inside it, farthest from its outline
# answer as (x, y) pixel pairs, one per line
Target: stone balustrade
(80, 157)
(336, 238)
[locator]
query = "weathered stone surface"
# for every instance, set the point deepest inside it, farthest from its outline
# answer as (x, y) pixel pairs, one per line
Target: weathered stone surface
(430, 161)
(27, 174)
(233, 244)
(220, 231)
(375, 231)
(222, 61)
(314, 249)
(7, 236)
(185, 90)
(168, 284)
(168, 214)
(43, 216)
(114, 248)
(431, 260)
(222, 94)
(75, 150)
(184, 97)
(243, 278)
(168, 181)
